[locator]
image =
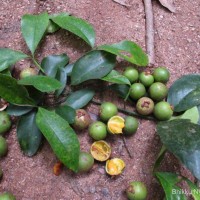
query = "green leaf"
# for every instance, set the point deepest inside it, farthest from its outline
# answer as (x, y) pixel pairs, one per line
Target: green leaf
(182, 138)
(9, 57)
(77, 26)
(42, 83)
(12, 92)
(60, 136)
(129, 51)
(181, 88)
(121, 90)
(66, 112)
(52, 63)
(69, 68)
(18, 110)
(33, 28)
(62, 14)
(28, 134)
(93, 65)
(80, 98)
(194, 189)
(168, 182)
(115, 77)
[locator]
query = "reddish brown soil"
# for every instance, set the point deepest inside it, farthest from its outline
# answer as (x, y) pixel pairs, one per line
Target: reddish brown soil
(177, 47)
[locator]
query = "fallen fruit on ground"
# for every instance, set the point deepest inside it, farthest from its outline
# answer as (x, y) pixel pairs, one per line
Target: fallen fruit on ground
(146, 78)
(158, 91)
(137, 90)
(131, 125)
(100, 150)
(116, 124)
(7, 196)
(115, 166)
(98, 130)
(52, 27)
(131, 74)
(161, 74)
(3, 147)
(57, 168)
(86, 161)
(107, 110)
(27, 72)
(145, 106)
(5, 122)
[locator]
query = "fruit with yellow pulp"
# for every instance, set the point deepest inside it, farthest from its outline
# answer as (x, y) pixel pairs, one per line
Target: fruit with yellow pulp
(116, 124)
(100, 150)
(115, 166)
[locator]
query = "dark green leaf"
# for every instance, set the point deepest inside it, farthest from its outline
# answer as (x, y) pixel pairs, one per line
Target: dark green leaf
(60, 136)
(168, 182)
(77, 26)
(121, 90)
(18, 110)
(129, 51)
(6, 72)
(9, 57)
(69, 68)
(80, 98)
(93, 65)
(28, 134)
(181, 88)
(33, 28)
(12, 92)
(42, 83)
(182, 138)
(52, 63)
(115, 77)
(67, 113)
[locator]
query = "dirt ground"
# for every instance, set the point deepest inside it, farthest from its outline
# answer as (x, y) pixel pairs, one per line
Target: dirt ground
(177, 42)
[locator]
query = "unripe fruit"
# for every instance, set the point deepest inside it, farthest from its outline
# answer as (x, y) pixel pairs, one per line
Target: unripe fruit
(86, 162)
(161, 74)
(136, 191)
(145, 106)
(163, 111)
(52, 27)
(137, 90)
(5, 122)
(108, 110)
(131, 74)
(27, 72)
(146, 79)
(158, 91)
(82, 120)
(98, 130)
(7, 196)
(131, 125)
(3, 147)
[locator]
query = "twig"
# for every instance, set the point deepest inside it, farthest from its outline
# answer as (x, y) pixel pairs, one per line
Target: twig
(149, 31)
(126, 147)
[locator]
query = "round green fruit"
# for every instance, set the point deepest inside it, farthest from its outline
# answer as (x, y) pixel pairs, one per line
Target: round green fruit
(86, 162)
(3, 147)
(145, 106)
(131, 125)
(27, 72)
(131, 74)
(52, 27)
(163, 111)
(7, 196)
(98, 130)
(5, 122)
(137, 90)
(108, 110)
(161, 74)
(146, 79)
(158, 91)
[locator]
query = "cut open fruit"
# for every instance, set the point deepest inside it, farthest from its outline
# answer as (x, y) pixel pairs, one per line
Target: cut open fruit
(116, 124)
(115, 166)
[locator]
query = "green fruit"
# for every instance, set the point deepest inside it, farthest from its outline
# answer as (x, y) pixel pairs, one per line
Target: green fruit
(98, 130)
(82, 120)
(27, 72)
(86, 162)
(5, 122)
(161, 74)
(145, 106)
(137, 90)
(146, 79)
(136, 191)
(52, 27)
(7, 196)
(158, 91)
(131, 74)
(3, 147)
(108, 110)
(163, 111)
(131, 125)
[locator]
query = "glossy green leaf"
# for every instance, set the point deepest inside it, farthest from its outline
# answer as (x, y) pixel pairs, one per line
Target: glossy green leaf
(181, 88)
(60, 136)
(66, 112)
(9, 57)
(168, 182)
(33, 28)
(129, 51)
(195, 191)
(80, 98)
(121, 90)
(52, 63)
(42, 83)
(18, 110)
(115, 77)
(182, 138)
(62, 14)
(69, 68)
(12, 92)
(28, 134)
(93, 65)
(77, 26)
